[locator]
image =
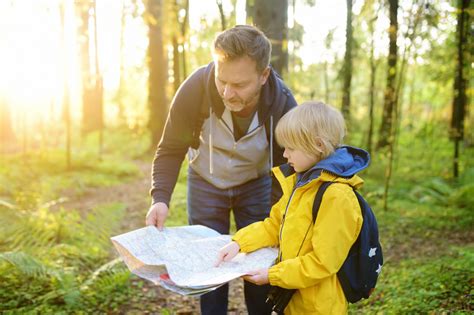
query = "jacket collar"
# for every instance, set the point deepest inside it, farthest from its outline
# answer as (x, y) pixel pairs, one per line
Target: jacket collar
(341, 166)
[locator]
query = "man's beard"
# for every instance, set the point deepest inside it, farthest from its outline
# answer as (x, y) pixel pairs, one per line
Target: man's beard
(239, 105)
(234, 106)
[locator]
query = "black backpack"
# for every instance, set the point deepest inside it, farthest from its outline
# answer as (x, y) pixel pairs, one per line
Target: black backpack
(360, 271)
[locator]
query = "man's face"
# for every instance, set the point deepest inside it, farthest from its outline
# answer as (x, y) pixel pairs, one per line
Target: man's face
(239, 83)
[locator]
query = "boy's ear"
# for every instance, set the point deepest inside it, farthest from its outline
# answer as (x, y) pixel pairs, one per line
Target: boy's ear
(320, 144)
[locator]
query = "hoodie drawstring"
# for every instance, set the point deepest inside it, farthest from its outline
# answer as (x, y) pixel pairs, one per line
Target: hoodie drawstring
(211, 163)
(271, 142)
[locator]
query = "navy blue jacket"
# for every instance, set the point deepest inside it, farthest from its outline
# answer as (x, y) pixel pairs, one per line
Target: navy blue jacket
(185, 116)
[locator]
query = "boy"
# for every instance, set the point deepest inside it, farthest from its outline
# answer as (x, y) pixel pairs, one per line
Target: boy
(309, 256)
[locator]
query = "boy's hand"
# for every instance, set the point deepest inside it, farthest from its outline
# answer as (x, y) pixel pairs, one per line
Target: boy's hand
(227, 252)
(259, 277)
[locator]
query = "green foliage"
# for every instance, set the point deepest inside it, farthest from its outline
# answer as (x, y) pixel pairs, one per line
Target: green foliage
(419, 286)
(33, 179)
(178, 204)
(27, 265)
(57, 254)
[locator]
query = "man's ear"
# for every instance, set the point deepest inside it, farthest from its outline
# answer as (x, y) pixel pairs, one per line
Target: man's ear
(264, 75)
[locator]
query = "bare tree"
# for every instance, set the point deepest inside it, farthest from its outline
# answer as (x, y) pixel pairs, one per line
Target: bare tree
(120, 91)
(99, 86)
(460, 100)
(271, 16)
(66, 110)
(6, 129)
(158, 69)
(178, 40)
(91, 80)
(221, 13)
(390, 98)
(327, 44)
(373, 72)
(347, 66)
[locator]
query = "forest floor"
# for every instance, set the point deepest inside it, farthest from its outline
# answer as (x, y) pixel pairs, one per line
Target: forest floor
(151, 299)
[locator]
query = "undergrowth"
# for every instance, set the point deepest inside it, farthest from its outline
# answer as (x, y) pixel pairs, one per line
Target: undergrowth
(62, 261)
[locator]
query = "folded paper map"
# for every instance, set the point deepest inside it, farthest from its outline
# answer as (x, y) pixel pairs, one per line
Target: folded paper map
(182, 259)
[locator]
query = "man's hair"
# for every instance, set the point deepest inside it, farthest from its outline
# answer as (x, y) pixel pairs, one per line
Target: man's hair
(303, 125)
(241, 41)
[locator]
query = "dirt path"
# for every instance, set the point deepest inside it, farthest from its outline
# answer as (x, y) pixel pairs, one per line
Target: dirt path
(153, 299)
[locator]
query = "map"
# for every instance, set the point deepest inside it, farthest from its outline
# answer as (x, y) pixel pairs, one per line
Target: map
(182, 259)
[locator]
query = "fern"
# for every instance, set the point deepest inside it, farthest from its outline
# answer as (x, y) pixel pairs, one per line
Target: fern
(6, 204)
(107, 275)
(102, 222)
(28, 265)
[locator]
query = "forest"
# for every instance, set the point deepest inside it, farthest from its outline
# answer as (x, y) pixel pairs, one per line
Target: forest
(85, 90)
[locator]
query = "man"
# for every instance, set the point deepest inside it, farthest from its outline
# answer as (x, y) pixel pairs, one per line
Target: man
(224, 116)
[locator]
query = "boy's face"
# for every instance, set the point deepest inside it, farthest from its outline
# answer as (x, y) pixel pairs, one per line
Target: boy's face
(239, 83)
(300, 160)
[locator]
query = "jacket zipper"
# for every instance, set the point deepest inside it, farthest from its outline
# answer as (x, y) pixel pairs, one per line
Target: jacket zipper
(283, 223)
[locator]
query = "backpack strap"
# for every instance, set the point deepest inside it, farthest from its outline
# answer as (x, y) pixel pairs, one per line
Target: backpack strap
(319, 198)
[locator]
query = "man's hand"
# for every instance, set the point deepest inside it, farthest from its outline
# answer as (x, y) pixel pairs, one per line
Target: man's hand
(227, 252)
(259, 277)
(157, 215)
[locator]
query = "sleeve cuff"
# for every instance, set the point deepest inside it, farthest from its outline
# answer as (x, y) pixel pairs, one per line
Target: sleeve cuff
(273, 275)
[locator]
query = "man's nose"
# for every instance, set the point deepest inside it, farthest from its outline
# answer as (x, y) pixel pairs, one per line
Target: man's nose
(228, 91)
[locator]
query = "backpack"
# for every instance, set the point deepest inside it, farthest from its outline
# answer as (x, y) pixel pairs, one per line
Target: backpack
(360, 271)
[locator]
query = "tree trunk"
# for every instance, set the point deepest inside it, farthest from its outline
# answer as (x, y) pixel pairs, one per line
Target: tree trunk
(99, 87)
(176, 64)
(272, 18)
(460, 81)
(184, 28)
(6, 129)
(91, 82)
(373, 73)
(327, 44)
(66, 111)
(178, 39)
(249, 8)
(347, 67)
(121, 88)
(390, 98)
(157, 65)
(222, 15)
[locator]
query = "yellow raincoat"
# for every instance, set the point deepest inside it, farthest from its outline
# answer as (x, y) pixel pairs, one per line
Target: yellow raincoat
(323, 251)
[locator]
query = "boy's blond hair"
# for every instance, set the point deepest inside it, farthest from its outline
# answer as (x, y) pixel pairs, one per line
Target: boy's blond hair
(304, 125)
